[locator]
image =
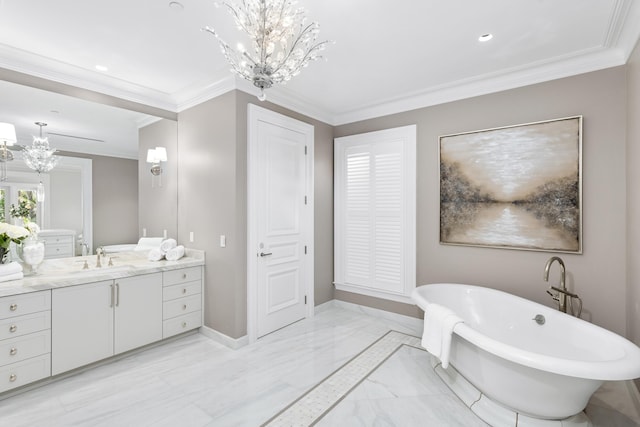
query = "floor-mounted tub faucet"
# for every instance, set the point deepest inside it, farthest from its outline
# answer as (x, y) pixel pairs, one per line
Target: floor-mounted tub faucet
(562, 291)
(562, 295)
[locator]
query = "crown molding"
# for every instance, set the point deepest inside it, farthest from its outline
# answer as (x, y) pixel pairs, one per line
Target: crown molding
(584, 62)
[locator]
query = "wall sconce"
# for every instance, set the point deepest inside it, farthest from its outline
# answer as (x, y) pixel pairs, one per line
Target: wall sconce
(155, 156)
(7, 139)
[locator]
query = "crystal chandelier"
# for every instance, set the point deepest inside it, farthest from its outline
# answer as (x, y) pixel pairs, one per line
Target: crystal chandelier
(40, 158)
(281, 42)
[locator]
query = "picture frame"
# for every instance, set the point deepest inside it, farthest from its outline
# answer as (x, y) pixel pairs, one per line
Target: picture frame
(513, 187)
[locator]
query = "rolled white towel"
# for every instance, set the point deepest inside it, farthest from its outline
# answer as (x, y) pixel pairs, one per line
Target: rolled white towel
(10, 268)
(155, 254)
(175, 253)
(14, 276)
(146, 243)
(167, 245)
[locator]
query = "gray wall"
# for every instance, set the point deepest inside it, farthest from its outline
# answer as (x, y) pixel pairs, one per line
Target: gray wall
(633, 197)
(599, 274)
(115, 201)
(158, 204)
(207, 206)
(212, 193)
(66, 200)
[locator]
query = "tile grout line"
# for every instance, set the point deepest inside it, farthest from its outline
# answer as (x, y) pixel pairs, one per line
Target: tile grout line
(309, 408)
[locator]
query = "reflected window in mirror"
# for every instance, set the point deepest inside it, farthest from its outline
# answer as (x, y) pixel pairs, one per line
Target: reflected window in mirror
(19, 203)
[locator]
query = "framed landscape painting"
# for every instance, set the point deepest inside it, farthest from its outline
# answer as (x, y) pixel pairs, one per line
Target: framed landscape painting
(516, 187)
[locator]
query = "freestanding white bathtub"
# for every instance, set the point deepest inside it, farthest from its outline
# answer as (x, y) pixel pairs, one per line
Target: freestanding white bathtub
(546, 371)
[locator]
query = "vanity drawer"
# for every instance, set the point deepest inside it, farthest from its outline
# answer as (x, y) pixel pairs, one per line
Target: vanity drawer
(27, 324)
(25, 347)
(181, 324)
(179, 291)
(18, 305)
(52, 240)
(181, 306)
(58, 251)
(184, 275)
(25, 372)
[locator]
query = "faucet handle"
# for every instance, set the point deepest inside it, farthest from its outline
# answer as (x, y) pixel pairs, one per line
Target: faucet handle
(555, 297)
(85, 266)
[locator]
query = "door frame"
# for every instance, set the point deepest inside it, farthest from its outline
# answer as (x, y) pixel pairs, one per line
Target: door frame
(255, 115)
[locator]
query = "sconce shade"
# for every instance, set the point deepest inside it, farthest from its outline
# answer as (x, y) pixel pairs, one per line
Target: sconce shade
(161, 154)
(7, 134)
(157, 155)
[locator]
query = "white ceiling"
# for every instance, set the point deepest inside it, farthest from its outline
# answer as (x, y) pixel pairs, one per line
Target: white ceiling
(387, 57)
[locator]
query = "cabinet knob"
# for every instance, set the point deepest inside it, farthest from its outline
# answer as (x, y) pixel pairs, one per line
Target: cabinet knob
(184, 324)
(13, 351)
(184, 290)
(184, 306)
(13, 328)
(13, 377)
(184, 275)
(13, 307)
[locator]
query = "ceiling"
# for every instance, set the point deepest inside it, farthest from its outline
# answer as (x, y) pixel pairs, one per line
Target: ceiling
(387, 56)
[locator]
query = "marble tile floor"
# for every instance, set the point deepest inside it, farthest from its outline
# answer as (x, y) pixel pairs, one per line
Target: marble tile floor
(194, 381)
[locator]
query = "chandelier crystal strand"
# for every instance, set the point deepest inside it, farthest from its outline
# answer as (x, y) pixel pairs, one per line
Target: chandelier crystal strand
(281, 42)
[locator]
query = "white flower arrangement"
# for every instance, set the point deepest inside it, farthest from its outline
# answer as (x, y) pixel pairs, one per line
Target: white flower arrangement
(33, 229)
(10, 233)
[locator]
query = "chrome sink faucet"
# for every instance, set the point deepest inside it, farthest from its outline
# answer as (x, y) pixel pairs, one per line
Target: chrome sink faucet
(99, 253)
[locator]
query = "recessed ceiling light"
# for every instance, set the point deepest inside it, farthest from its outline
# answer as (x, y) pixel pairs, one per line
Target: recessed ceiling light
(101, 68)
(176, 6)
(485, 37)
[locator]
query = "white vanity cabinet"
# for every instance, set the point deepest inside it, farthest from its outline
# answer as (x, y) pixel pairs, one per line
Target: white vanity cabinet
(82, 325)
(58, 243)
(182, 300)
(25, 339)
(138, 312)
(94, 321)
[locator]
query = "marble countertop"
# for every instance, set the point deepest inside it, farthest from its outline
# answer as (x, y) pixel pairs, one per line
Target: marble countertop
(62, 272)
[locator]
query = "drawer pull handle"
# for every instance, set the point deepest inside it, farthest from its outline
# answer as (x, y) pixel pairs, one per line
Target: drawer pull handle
(13, 351)
(13, 377)
(184, 324)
(13, 328)
(13, 307)
(184, 290)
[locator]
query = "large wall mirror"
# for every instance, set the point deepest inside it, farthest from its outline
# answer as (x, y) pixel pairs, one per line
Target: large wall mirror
(98, 187)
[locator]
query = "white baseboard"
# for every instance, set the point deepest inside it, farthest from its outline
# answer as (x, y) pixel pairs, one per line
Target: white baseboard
(375, 312)
(219, 337)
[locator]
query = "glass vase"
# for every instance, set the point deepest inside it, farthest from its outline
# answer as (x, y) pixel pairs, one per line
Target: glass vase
(31, 252)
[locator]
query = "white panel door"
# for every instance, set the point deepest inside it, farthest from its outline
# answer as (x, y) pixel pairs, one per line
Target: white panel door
(281, 176)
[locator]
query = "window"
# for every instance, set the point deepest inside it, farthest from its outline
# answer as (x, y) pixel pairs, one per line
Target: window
(375, 205)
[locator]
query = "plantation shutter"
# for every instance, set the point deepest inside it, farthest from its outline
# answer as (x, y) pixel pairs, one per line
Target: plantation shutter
(375, 213)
